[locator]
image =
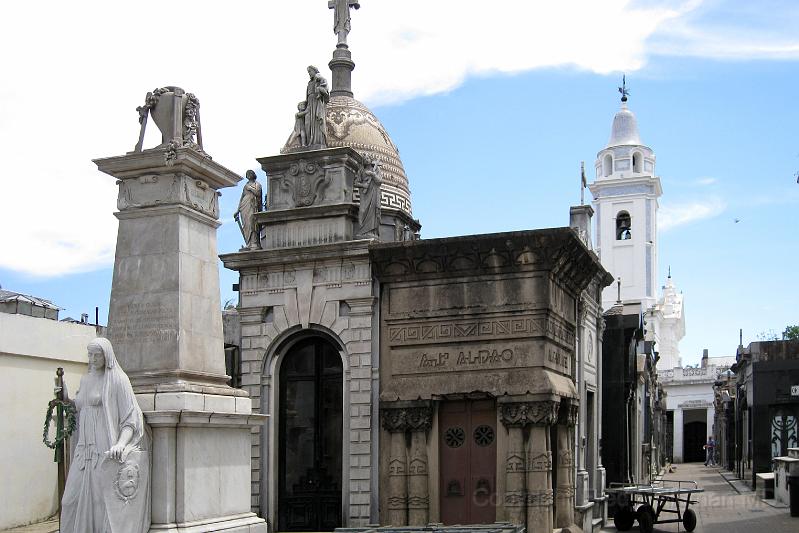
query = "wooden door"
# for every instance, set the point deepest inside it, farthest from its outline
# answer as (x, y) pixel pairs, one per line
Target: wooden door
(468, 454)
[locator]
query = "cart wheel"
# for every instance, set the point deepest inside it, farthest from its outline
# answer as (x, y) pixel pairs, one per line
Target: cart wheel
(689, 519)
(646, 508)
(623, 519)
(645, 520)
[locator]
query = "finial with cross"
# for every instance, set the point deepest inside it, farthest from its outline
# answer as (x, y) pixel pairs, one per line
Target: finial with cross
(623, 89)
(341, 18)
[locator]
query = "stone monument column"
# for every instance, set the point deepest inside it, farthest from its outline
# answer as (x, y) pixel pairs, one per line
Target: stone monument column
(419, 422)
(165, 320)
(538, 455)
(564, 492)
(512, 417)
(395, 422)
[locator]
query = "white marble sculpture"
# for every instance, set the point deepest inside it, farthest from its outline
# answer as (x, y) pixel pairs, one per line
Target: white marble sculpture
(107, 488)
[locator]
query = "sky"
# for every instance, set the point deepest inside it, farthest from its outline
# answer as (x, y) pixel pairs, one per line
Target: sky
(492, 105)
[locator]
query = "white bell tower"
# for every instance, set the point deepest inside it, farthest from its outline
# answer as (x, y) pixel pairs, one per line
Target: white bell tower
(626, 192)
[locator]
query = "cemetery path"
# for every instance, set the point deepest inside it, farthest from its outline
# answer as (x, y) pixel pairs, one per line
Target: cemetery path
(722, 509)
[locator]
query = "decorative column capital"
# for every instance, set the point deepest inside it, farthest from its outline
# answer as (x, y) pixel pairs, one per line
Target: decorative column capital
(521, 414)
(568, 413)
(600, 327)
(406, 418)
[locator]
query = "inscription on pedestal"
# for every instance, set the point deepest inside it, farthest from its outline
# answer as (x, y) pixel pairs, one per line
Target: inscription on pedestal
(145, 322)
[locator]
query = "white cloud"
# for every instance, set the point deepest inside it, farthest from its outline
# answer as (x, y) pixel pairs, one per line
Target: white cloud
(671, 216)
(704, 182)
(76, 72)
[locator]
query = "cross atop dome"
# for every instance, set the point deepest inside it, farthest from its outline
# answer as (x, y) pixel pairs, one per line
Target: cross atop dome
(623, 89)
(341, 18)
(341, 66)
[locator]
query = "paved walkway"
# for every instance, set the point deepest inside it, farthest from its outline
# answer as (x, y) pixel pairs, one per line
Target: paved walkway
(722, 509)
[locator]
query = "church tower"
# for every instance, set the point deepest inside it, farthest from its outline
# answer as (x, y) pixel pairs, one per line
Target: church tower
(626, 192)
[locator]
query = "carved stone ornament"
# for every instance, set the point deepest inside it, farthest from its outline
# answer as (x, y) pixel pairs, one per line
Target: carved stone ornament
(305, 183)
(176, 113)
(540, 498)
(539, 463)
(569, 412)
(126, 485)
(401, 419)
(394, 420)
(521, 414)
(152, 190)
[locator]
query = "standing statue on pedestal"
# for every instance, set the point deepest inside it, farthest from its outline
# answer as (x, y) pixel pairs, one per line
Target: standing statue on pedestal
(368, 182)
(316, 98)
(251, 202)
(107, 489)
(341, 18)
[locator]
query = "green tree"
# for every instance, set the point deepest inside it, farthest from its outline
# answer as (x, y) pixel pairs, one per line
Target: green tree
(791, 333)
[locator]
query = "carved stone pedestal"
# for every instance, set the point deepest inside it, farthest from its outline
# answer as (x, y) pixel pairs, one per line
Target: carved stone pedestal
(166, 325)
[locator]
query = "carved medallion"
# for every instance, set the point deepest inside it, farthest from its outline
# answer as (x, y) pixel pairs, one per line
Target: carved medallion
(126, 484)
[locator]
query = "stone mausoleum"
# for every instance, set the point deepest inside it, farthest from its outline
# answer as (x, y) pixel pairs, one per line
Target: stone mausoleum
(410, 381)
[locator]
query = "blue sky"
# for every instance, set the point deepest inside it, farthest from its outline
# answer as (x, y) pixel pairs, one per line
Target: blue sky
(491, 139)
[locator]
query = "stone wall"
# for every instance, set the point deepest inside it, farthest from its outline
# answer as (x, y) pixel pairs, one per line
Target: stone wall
(287, 295)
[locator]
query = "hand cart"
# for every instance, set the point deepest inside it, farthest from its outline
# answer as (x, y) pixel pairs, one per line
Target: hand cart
(654, 504)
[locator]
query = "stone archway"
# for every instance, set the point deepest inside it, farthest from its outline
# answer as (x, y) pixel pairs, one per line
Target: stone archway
(309, 437)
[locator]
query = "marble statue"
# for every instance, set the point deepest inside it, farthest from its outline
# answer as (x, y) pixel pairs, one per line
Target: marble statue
(297, 137)
(368, 182)
(341, 18)
(316, 99)
(251, 202)
(107, 489)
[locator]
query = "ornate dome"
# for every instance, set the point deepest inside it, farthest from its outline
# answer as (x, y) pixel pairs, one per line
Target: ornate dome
(625, 128)
(352, 124)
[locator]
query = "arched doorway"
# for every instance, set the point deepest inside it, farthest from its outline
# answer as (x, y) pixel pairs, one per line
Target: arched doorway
(310, 412)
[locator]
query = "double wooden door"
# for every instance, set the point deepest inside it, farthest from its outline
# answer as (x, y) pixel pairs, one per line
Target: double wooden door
(468, 455)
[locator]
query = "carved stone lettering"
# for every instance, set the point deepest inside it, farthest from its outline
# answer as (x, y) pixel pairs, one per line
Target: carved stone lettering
(145, 322)
(458, 358)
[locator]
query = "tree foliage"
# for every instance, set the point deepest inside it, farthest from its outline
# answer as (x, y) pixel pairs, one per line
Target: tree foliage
(791, 333)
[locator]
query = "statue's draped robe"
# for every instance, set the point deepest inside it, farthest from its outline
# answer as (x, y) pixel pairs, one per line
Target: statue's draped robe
(317, 96)
(369, 212)
(249, 204)
(105, 406)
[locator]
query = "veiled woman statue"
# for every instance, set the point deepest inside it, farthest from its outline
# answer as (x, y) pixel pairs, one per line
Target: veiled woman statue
(369, 182)
(107, 489)
(249, 204)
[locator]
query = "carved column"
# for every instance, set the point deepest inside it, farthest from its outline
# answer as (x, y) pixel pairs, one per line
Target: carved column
(513, 417)
(419, 420)
(564, 492)
(395, 422)
(538, 455)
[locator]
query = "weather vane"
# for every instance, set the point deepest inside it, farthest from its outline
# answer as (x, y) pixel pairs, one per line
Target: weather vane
(623, 89)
